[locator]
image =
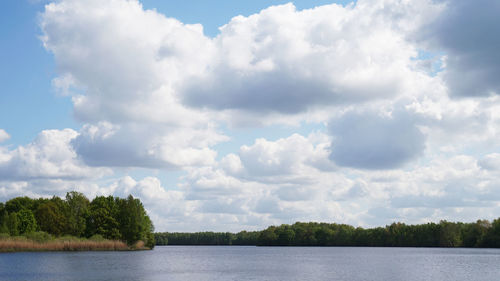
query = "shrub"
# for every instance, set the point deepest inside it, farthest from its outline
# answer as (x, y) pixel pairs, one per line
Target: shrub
(68, 238)
(97, 237)
(39, 236)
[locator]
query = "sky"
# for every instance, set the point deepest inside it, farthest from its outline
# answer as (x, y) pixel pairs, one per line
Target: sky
(231, 115)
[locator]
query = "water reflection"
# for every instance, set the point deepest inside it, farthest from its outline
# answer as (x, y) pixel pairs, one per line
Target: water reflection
(256, 263)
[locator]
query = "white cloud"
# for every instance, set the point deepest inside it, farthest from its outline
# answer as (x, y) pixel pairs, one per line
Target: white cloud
(49, 156)
(329, 55)
(3, 135)
(145, 145)
(289, 61)
(293, 155)
(127, 59)
(153, 92)
(490, 162)
(368, 140)
(230, 195)
(124, 63)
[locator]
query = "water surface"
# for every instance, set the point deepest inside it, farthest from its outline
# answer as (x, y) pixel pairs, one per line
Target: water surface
(257, 263)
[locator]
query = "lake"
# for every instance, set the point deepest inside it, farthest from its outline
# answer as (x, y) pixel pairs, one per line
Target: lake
(257, 263)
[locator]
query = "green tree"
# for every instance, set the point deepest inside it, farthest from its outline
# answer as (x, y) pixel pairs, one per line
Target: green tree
(474, 233)
(268, 236)
(13, 224)
(286, 235)
(324, 235)
(27, 222)
(78, 212)
(101, 219)
(4, 217)
(15, 205)
(161, 238)
(450, 235)
(50, 218)
(134, 223)
(492, 237)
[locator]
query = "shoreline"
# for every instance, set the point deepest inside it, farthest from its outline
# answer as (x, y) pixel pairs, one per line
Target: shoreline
(26, 245)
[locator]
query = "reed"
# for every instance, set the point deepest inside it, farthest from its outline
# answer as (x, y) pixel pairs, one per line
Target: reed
(15, 244)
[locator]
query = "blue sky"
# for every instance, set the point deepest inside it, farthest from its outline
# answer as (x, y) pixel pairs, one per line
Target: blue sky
(362, 113)
(27, 104)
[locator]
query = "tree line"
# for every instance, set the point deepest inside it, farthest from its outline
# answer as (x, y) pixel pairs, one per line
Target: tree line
(111, 217)
(443, 234)
(207, 238)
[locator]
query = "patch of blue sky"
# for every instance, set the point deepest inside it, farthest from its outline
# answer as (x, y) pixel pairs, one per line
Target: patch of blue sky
(433, 58)
(214, 14)
(28, 103)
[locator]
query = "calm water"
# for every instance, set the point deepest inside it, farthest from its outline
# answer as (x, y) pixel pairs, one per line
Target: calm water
(256, 263)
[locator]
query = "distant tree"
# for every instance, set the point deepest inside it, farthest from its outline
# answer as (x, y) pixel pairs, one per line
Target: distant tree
(285, 234)
(161, 238)
(51, 218)
(134, 223)
(473, 234)
(27, 222)
(492, 237)
(102, 218)
(15, 205)
(77, 212)
(13, 224)
(246, 238)
(268, 236)
(4, 217)
(450, 235)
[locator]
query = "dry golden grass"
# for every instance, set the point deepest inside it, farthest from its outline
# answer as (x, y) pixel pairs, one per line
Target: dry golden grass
(14, 245)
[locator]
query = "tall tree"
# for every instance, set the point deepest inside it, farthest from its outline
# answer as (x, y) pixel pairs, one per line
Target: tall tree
(450, 235)
(78, 212)
(27, 222)
(4, 217)
(492, 237)
(134, 223)
(51, 218)
(102, 218)
(13, 224)
(15, 205)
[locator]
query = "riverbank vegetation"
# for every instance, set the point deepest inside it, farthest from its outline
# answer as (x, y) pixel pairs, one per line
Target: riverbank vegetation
(74, 223)
(42, 241)
(444, 234)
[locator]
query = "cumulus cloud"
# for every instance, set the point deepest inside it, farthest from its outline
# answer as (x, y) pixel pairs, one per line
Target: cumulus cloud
(490, 162)
(152, 92)
(3, 135)
(120, 64)
(287, 156)
(229, 195)
(368, 140)
(143, 145)
(288, 61)
(331, 54)
(466, 33)
(297, 174)
(49, 156)
(121, 55)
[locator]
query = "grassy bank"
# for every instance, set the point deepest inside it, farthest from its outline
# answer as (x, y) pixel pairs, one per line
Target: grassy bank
(40, 241)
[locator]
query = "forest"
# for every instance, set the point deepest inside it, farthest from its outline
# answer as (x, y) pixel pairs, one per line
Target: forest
(482, 234)
(110, 218)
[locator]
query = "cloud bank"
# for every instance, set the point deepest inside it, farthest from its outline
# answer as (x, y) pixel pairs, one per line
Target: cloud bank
(402, 97)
